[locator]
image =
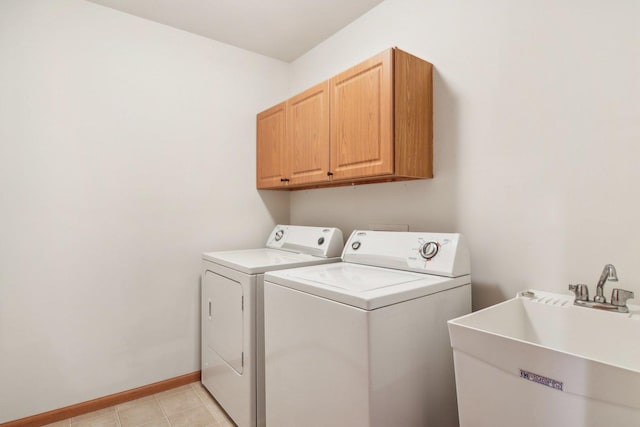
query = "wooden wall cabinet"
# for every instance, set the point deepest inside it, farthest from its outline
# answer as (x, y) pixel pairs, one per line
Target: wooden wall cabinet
(292, 143)
(271, 150)
(308, 135)
(370, 123)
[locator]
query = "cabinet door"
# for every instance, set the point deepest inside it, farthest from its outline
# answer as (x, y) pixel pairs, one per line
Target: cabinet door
(271, 150)
(362, 119)
(308, 135)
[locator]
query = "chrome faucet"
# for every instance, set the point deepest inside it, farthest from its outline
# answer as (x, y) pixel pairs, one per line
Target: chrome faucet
(608, 273)
(619, 297)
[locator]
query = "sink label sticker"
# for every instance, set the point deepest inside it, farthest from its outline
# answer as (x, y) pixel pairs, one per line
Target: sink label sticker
(549, 382)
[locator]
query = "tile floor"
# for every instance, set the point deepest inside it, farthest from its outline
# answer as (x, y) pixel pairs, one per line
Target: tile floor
(187, 406)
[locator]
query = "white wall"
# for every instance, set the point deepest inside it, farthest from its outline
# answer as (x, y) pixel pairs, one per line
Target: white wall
(537, 137)
(127, 149)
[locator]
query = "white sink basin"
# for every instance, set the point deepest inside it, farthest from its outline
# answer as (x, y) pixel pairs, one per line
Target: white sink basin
(541, 361)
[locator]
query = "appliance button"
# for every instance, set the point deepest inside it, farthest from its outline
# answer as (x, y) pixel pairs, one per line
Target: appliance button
(355, 245)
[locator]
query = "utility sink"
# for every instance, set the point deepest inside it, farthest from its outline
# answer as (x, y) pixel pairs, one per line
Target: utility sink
(538, 360)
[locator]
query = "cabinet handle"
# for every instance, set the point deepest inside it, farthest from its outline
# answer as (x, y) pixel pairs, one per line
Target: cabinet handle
(209, 309)
(329, 173)
(284, 179)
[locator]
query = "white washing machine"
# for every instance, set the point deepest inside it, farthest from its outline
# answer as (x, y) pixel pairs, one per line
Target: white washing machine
(232, 313)
(364, 342)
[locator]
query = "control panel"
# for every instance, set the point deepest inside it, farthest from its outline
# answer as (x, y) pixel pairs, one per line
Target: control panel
(320, 241)
(443, 254)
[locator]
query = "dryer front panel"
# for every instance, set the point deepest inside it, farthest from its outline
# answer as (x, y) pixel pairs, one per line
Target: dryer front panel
(224, 302)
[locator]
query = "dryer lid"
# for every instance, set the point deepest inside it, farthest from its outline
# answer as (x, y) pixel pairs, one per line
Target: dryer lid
(257, 261)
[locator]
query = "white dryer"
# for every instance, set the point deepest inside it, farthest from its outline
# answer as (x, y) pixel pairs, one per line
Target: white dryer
(364, 342)
(232, 313)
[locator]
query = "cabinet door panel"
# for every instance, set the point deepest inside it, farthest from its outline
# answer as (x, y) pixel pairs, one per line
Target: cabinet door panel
(308, 135)
(271, 147)
(362, 119)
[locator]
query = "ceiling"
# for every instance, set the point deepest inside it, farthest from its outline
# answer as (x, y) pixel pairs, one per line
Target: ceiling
(281, 29)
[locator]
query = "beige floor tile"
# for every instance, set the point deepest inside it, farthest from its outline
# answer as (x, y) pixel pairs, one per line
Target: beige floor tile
(157, 423)
(197, 417)
(97, 422)
(190, 405)
(136, 402)
(226, 423)
(202, 393)
(198, 386)
(102, 418)
(179, 402)
(174, 390)
(212, 405)
(221, 417)
(63, 423)
(205, 397)
(144, 413)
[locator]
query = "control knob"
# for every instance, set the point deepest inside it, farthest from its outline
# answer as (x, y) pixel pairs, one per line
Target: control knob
(279, 235)
(429, 250)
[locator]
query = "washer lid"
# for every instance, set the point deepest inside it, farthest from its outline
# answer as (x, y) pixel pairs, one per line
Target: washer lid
(256, 261)
(363, 286)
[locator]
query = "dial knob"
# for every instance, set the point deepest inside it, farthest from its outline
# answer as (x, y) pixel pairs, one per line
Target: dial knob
(279, 235)
(429, 250)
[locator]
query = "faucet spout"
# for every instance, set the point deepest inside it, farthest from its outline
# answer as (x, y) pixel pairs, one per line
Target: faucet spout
(608, 273)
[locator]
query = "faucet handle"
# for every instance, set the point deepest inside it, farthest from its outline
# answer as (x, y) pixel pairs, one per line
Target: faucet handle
(619, 297)
(581, 292)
